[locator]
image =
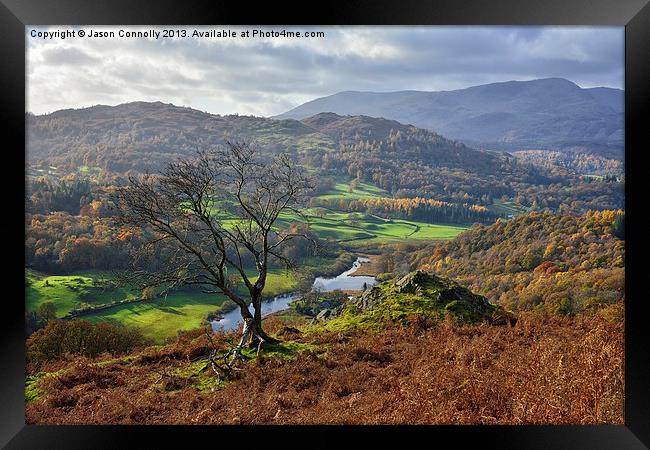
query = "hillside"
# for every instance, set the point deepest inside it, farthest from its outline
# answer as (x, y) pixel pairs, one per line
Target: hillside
(569, 369)
(572, 161)
(558, 263)
(351, 129)
(402, 160)
(144, 136)
(544, 113)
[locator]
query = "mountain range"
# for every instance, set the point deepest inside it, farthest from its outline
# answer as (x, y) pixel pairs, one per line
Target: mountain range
(551, 113)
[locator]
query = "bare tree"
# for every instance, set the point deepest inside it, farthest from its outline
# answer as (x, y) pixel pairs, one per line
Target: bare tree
(213, 217)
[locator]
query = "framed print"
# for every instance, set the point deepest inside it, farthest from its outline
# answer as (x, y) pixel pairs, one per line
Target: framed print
(390, 218)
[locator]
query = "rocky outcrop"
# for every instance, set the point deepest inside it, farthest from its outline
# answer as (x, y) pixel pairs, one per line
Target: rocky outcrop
(423, 293)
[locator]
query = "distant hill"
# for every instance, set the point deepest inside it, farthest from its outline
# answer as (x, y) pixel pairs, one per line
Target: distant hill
(143, 136)
(546, 113)
(351, 129)
(404, 160)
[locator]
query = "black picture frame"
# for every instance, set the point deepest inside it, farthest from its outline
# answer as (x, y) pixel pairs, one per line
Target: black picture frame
(633, 14)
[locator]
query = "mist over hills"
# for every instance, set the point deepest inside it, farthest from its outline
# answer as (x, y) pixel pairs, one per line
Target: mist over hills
(552, 113)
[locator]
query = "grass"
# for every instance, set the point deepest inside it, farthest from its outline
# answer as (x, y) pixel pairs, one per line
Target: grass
(162, 318)
(158, 319)
(278, 282)
(545, 370)
(32, 389)
(68, 292)
(363, 190)
(88, 169)
(287, 350)
(32, 392)
(354, 227)
(591, 176)
(368, 228)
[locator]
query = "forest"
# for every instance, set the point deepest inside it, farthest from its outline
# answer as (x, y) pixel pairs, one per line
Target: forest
(561, 264)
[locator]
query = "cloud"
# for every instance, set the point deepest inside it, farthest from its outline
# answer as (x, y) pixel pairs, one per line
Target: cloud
(267, 76)
(67, 56)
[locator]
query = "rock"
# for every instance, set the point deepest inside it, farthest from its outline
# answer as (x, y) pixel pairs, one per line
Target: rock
(418, 293)
(327, 304)
(441, 294)
(410, 282)
(323, 315)
(370, 298)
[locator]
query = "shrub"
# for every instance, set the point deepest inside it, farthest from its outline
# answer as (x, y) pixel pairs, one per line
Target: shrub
(80, 337)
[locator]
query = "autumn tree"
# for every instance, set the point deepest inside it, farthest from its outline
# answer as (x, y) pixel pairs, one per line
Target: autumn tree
(215, 216)
(47, 311)
(619, 226)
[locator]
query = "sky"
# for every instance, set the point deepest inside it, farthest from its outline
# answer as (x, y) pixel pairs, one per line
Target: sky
(267, 76)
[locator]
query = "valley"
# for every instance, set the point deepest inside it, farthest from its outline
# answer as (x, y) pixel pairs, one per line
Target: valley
(474, 252)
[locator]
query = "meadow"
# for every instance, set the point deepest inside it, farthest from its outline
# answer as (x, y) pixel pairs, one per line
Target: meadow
(68, 292)
(158, 319)
(357, 228)
(162, 318)
(343, 189)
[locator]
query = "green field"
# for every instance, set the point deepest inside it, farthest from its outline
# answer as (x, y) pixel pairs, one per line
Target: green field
(368, 228)
(70, 291)
(364, 228)
(158, 319)
(162, 318)
(363, 190)
(592, 176)
(353, 227)
(88, 169)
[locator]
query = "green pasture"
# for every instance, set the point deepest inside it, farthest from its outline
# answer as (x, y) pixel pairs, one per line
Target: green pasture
(363, 190)
(158, 319)
(368, 228)
(162, 318)
(71, 291)
(591, 176)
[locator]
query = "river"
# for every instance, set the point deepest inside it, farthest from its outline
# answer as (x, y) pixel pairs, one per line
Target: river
(346, 282)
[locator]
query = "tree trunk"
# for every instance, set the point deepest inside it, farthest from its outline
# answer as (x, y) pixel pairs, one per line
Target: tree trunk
(257, 316)
(245, 312)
